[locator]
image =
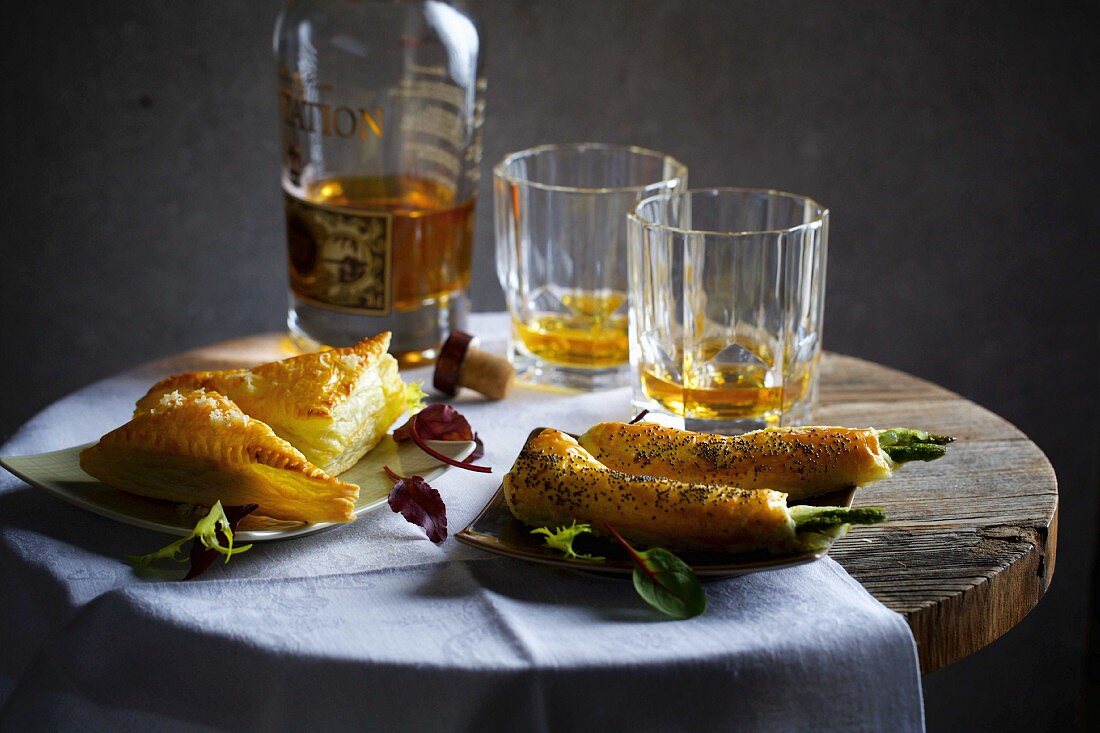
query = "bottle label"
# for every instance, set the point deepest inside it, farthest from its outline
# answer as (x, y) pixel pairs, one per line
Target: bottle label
(340, 258)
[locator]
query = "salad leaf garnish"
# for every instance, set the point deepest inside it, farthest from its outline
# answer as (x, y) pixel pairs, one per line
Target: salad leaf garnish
(414, 396)
(414, 499)
(436, 422)
(440, 456)
(441, 422)
(212, 535)
(562, 538)
(664, 581)
(202, 556)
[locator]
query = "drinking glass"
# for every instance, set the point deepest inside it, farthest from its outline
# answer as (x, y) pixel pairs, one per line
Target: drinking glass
(727, 288)
(561, 255)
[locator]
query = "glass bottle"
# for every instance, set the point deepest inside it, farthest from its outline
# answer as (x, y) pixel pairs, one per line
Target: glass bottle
(380, 108)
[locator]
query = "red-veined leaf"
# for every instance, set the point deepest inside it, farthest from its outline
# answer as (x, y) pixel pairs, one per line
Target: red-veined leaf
(436, 422)
(664, 581)
(420, 504)
(440, 456)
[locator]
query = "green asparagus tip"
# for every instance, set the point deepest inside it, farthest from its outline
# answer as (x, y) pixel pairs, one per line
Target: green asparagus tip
(907, 444)
(918, 452)
(817, 518)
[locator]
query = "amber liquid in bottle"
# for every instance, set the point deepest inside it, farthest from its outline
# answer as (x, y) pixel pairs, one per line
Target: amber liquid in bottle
(432, 238)
(432, 233)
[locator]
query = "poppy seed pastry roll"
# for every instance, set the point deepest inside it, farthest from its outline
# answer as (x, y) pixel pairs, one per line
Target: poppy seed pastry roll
(799, 461)
(556, 481)
(199, 448)
(333, 405)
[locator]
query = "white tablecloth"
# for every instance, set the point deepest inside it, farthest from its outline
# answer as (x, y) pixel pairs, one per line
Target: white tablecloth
(372, 627)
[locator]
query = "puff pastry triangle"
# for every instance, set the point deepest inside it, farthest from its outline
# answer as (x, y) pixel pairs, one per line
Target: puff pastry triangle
(198, 447)
(333, 405)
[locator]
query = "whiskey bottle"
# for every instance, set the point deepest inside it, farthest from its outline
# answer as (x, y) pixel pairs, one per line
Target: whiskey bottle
(380, 107)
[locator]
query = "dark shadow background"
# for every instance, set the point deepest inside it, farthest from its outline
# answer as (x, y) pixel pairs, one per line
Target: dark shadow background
(955, 142)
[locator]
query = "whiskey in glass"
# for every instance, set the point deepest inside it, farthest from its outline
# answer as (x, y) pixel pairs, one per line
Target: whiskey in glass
(727, 290)
(561, 255)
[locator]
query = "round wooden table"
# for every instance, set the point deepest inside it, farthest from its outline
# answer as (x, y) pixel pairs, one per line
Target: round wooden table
(970, 543)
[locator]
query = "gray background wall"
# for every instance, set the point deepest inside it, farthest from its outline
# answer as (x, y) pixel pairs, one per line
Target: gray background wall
(954, 141)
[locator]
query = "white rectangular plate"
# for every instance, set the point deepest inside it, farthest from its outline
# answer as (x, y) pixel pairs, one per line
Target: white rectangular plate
(60, 474)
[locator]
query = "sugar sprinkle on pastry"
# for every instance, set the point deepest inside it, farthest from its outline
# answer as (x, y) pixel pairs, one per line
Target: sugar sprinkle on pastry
(332, 405)
(198, 447)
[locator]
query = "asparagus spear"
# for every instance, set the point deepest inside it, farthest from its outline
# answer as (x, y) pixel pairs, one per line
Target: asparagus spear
(815, 518)
(906, 444)
(818, 526)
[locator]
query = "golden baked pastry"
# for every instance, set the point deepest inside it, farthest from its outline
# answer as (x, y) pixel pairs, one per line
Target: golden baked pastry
(556, 481)
(333, 405)
(198, 447)
(800, 461)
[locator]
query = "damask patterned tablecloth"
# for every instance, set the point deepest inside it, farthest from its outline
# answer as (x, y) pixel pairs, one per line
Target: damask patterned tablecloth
(370, 626)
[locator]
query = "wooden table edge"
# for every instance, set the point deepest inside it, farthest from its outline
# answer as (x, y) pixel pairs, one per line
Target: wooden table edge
(953, 627)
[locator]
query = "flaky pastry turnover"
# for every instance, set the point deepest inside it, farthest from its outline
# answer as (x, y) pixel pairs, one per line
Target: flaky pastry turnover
(333, 406)
(198, 447)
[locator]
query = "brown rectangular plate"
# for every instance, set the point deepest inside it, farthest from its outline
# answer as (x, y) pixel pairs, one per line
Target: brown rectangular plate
(496, 530)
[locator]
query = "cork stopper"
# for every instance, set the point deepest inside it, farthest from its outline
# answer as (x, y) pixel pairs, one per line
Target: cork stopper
(462, 365)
